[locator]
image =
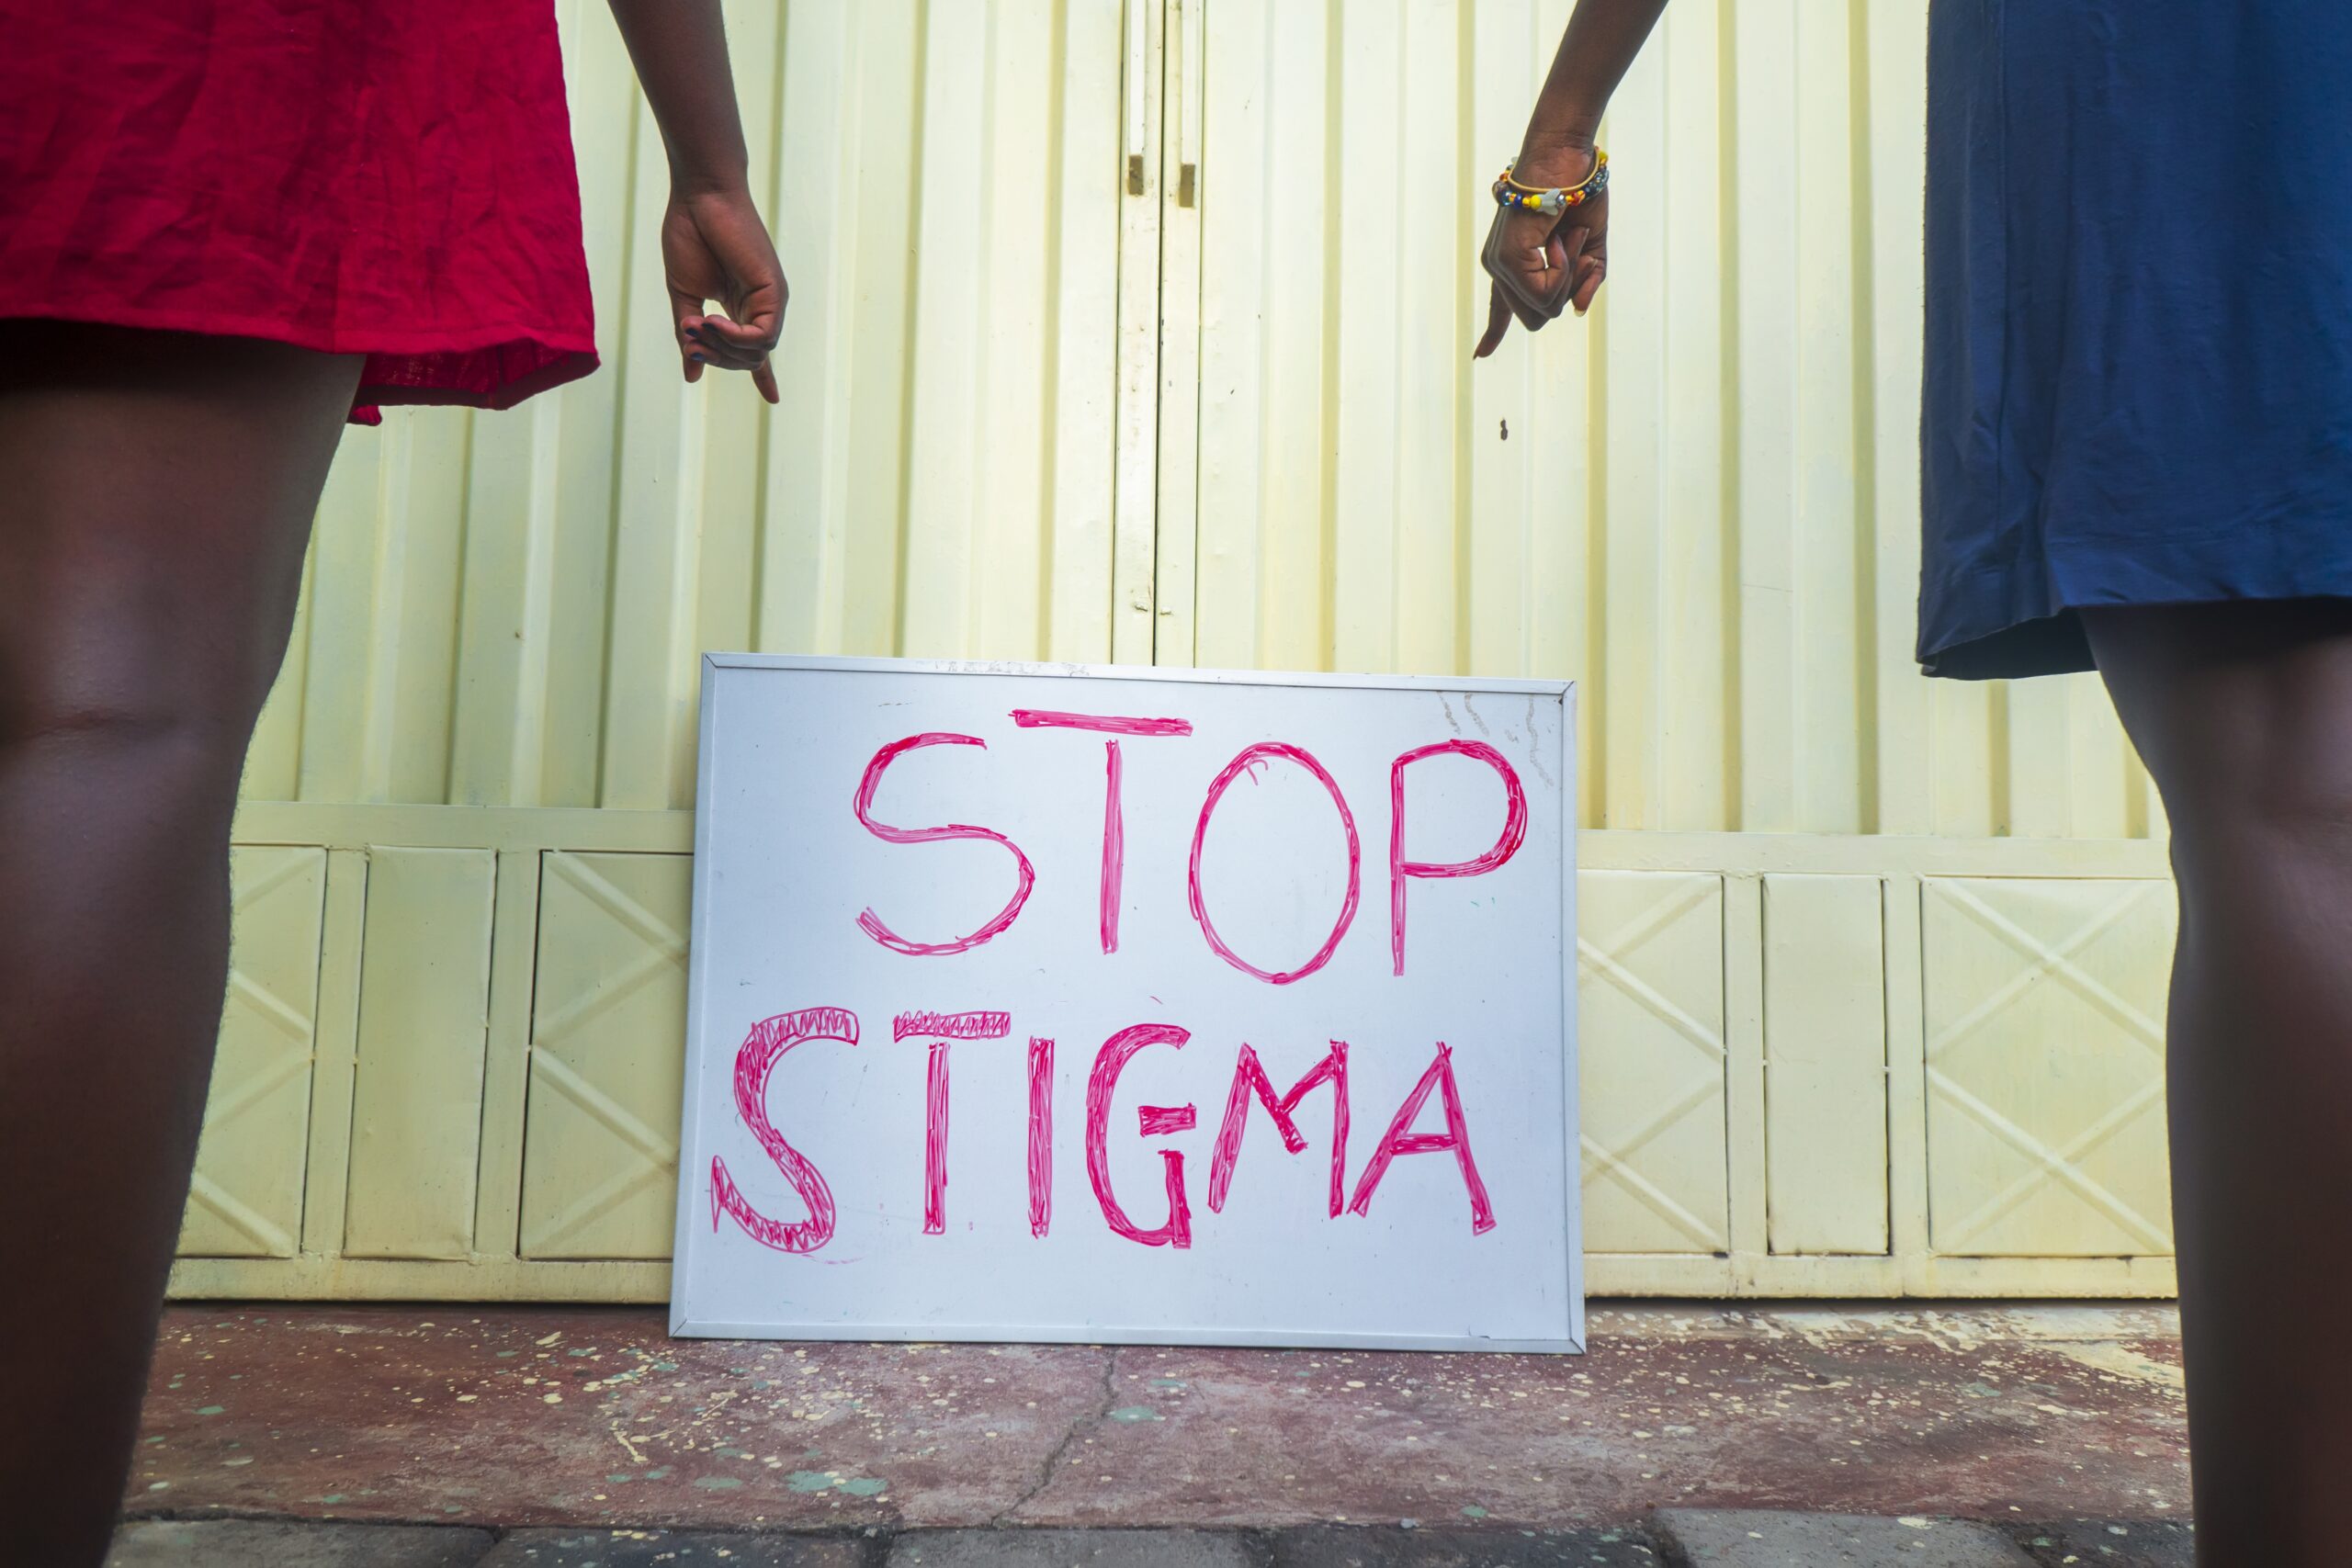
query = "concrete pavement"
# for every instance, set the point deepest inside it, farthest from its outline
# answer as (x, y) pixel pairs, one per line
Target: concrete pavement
(1677, 1539)
(2044, 1435)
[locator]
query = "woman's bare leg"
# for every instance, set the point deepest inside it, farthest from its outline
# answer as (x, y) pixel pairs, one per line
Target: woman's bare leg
(2243, 715)
(155, 495)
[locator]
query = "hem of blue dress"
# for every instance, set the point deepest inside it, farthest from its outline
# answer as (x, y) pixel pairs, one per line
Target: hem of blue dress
(1998, 623)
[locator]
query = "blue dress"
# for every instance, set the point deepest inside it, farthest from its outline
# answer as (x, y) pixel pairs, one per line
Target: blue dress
(2139, 315)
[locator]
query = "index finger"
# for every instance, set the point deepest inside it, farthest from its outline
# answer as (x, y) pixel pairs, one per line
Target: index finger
(1589, 269)
(1497, 322)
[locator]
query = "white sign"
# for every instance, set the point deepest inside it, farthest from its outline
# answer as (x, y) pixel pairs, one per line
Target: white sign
(1114, 1005)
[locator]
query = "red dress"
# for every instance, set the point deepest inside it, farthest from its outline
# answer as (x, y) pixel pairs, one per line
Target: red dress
(386, 177)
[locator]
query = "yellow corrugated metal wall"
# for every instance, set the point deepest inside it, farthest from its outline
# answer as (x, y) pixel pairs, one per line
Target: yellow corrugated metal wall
(1138, 330)
(508, 609)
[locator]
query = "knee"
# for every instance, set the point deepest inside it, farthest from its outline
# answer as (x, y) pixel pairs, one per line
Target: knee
(2295, 819)
(175, 726)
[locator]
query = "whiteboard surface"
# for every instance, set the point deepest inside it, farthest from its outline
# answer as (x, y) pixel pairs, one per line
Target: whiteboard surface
(945, 1246)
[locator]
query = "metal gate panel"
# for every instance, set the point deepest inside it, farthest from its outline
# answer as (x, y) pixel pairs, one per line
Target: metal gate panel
(247, 1197)
(599, 1164)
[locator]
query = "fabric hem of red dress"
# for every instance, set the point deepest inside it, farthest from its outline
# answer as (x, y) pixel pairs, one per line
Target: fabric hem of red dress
(578, 355)
(466, 340)
(575, 364)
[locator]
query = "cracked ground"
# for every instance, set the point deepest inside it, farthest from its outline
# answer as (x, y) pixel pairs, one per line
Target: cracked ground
(596, 1417)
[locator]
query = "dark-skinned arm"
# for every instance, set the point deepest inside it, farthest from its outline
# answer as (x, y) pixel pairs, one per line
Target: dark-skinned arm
(1602, 39)
(1565, 258)
(714, 245)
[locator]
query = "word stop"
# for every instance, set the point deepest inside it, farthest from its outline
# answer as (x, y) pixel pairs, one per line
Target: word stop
(1402, 870)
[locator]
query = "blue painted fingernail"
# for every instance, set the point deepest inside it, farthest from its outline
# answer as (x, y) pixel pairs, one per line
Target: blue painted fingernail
(696, 357)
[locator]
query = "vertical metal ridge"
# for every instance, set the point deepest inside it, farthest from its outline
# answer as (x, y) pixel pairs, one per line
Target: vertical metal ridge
(526, 769)
(1049, 396)
(770, 206)
(388, 585)
(919, 148)
(1334, 256)
(1727, 218)
(985, 269)
(1996, 756)
(1861, 202)
(1263, 610)
(1593, 781)
(1465, 291)
(466, 587)
(618, 369)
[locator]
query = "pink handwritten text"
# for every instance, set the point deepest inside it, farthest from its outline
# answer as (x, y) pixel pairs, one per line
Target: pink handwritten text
(1233, 770)
(754, 1060)
(1400, 869)
(1249, 1080)
(1100, 1086)
(1401, 1140)
(870, 922)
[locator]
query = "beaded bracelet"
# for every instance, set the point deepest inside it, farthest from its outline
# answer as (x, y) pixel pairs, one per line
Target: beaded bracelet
(1509, 192)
